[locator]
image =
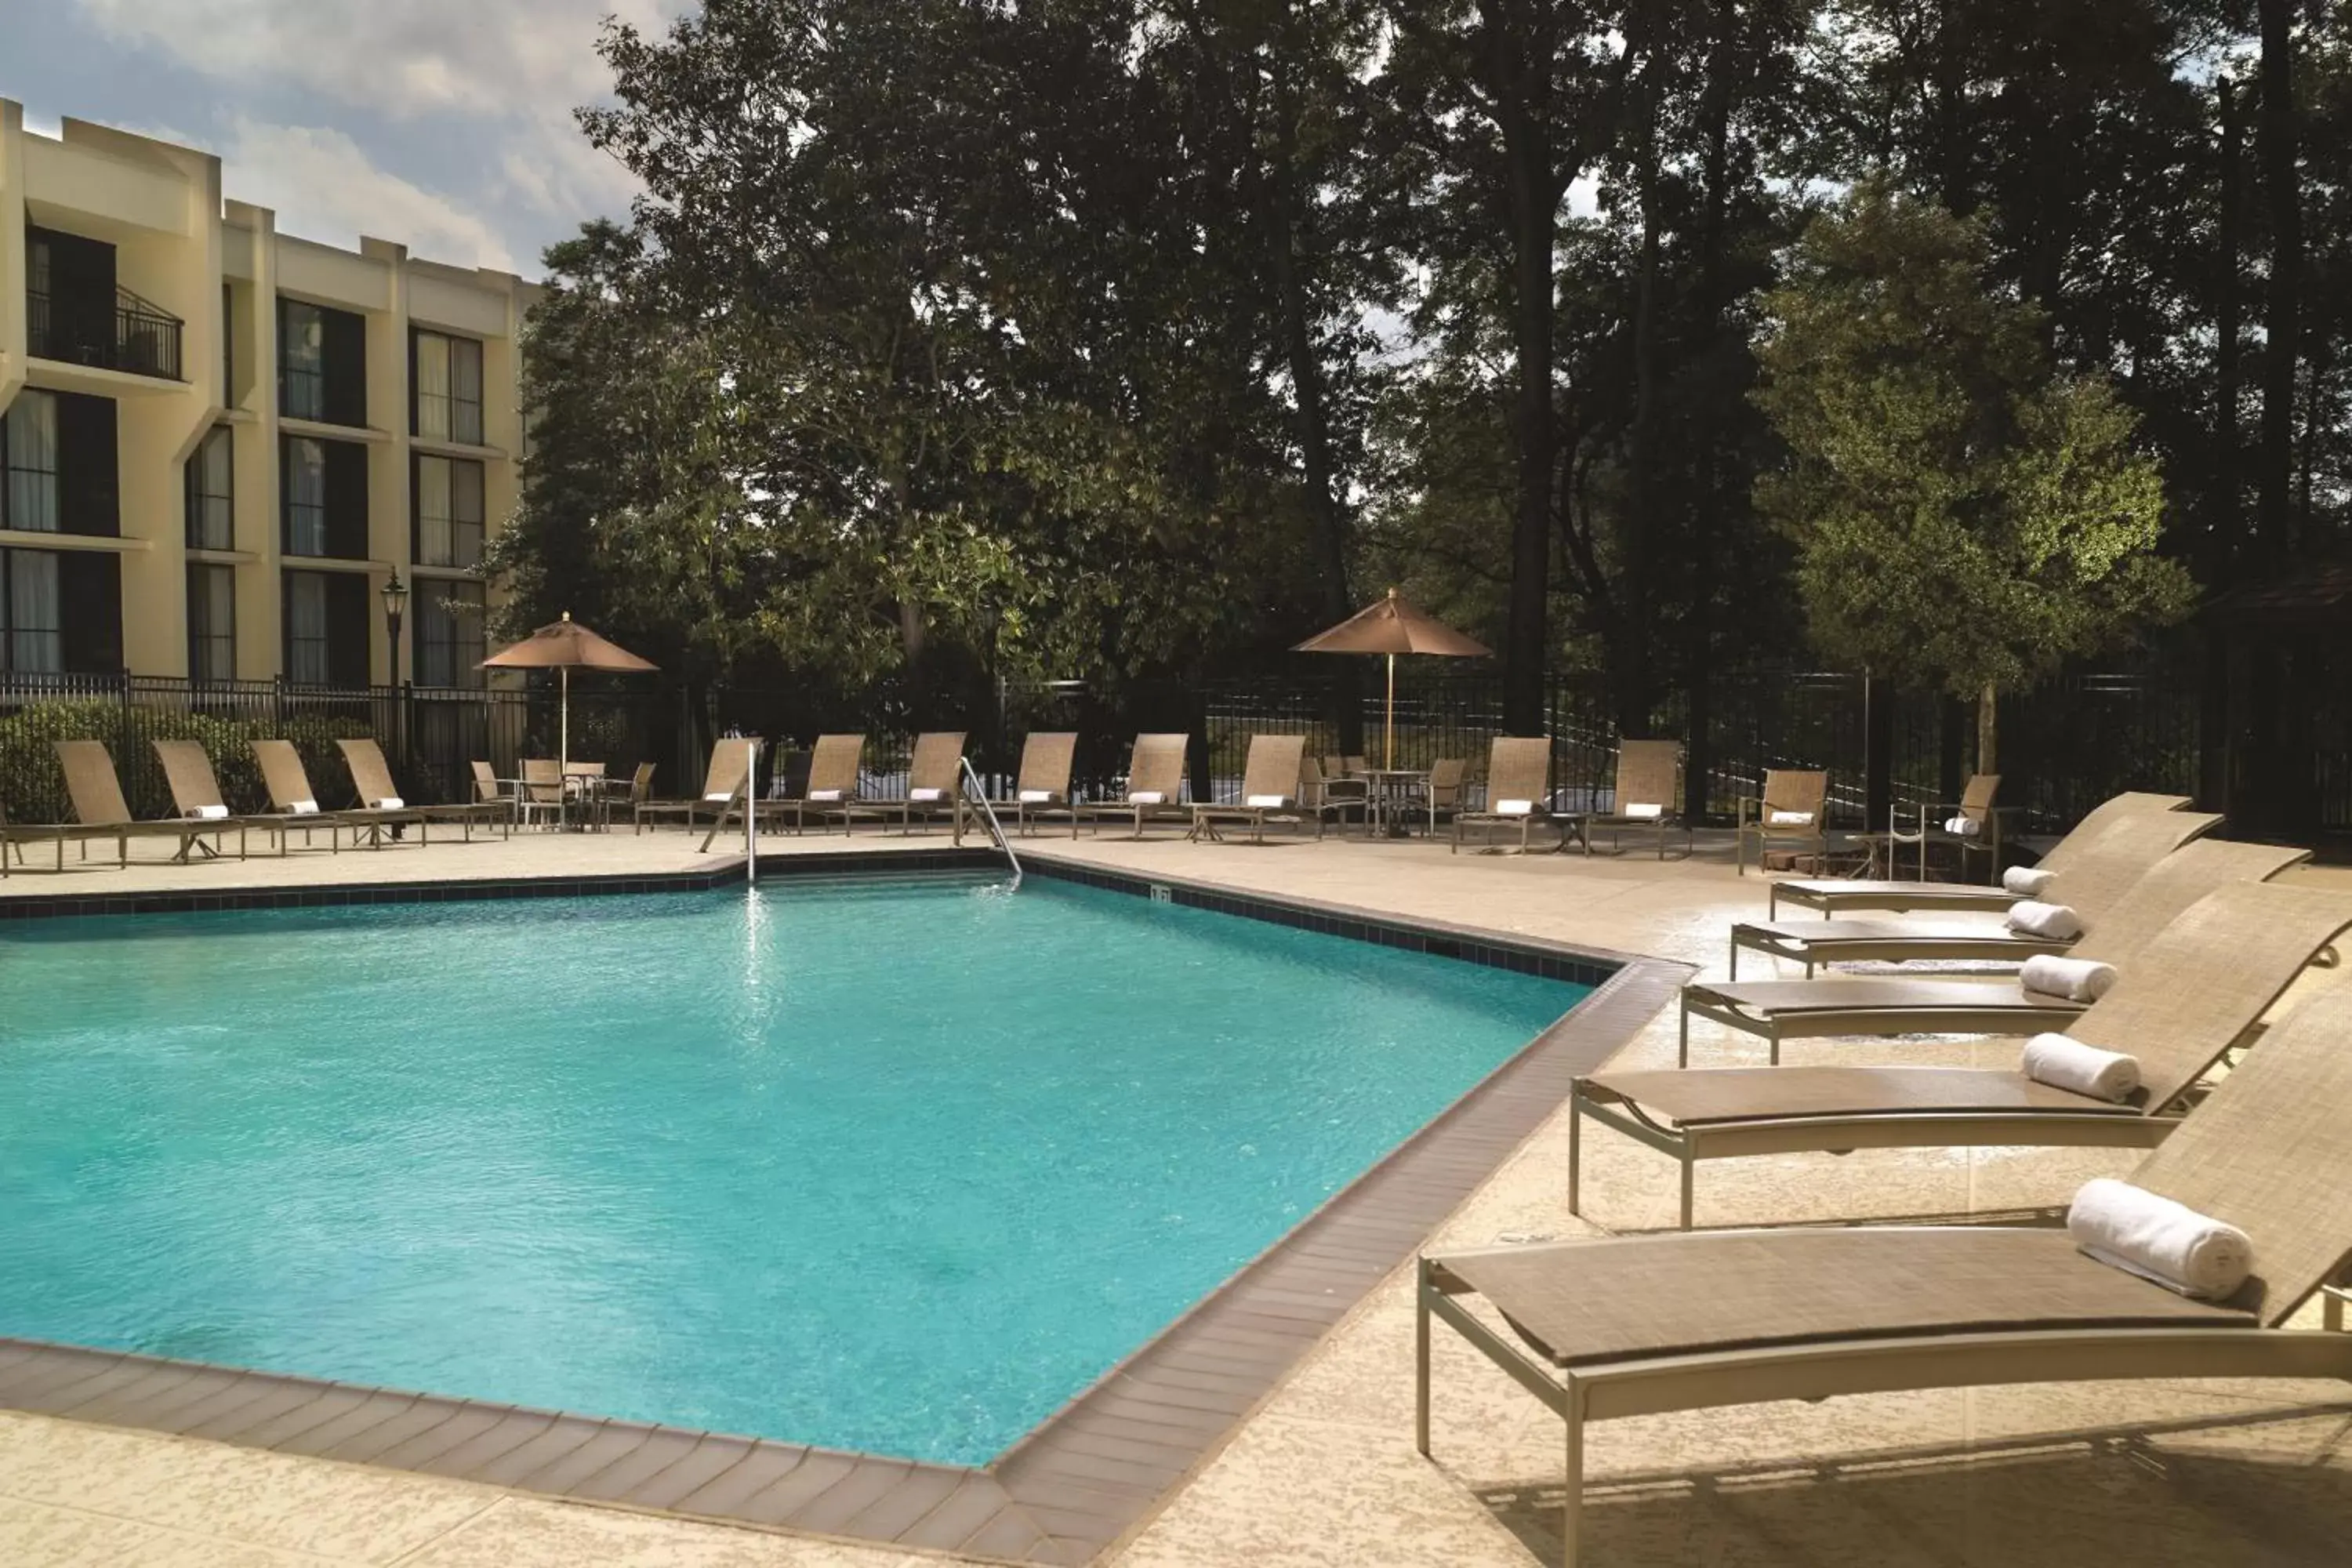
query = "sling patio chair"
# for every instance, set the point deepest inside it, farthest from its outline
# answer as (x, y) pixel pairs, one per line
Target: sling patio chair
(291, 794)
(371, 778)
(1781, 1010)
(934, 786)
(1970, 826)
(1832, 894)
(100, 812)
(1345, 788)
(832, 789)
(2198, 990)
(1042, 787)
(1647, 797)
(1271, 782)
(2091, 882)
(196, 794)
(1518, 792)
(1793, 810)
(1701, 1321)
(490, 789)
(730, 759)
(1442, 791)
(1155, 787)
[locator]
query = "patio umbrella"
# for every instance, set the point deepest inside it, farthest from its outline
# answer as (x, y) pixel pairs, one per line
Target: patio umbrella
(1393, 627)
(565, 645)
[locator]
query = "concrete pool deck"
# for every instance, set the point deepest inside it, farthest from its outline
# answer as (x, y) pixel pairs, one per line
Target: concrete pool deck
(1323, 1470)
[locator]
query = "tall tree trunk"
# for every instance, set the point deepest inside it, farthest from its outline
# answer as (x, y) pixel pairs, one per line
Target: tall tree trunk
(1634, 637)
(1535, 220)
(2275, 139)
(1988, 730)
(1698, 655)
(2224, 543)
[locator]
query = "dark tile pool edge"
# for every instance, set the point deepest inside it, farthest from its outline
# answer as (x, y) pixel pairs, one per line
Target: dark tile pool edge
(181, 901)
(1083, 1480)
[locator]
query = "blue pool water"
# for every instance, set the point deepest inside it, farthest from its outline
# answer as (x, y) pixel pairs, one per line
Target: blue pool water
(895, 1166)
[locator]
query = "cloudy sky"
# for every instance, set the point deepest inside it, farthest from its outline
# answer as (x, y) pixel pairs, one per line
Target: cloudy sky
(444, 124)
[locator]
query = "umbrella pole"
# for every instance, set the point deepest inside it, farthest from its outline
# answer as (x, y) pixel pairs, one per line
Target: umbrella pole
(1388, 756)
(563, 739)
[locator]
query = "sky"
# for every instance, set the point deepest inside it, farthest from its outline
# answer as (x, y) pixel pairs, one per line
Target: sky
(445, 125)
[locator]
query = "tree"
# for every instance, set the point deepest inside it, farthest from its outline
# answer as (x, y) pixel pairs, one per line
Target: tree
(1965, 518)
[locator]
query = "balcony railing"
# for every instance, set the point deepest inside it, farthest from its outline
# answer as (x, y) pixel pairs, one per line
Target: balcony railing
(137, 335)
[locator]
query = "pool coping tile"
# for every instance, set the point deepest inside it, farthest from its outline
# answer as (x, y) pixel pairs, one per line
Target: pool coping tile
(1076, 1486)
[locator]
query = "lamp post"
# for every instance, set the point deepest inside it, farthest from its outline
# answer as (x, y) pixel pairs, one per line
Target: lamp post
(395, 604)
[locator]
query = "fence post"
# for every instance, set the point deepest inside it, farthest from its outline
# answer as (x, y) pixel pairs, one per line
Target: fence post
(1877, 753)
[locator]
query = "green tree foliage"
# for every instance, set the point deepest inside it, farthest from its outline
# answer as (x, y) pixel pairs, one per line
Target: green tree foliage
(1965, 518)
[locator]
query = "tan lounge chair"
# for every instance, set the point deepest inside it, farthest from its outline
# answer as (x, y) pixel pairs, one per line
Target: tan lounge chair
(1648, 796)
(291, 794)
(196, 794)
(1781, 1010)
(831, 789)
(1640, 1325)
(1049, 759)
(1155, 787)
(99, 812)
(1271, 782)
(730, 760)
(2089, 884)
(1794, 811)
(1831, 895)
(2198, 989)
(1518, 773)
(934, 784)
(371, 778)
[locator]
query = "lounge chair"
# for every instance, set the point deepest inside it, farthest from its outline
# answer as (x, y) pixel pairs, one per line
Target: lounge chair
(291, 794)
(1648, 796)
(196, 794)
(99, 812)
(934, 784)
(832, 788)
(1779, 1010)
(1518, 792)
(1639, 1325)
(730, 759)
(2090, 883)
(1041, 788)
(1155, 787)
(1270, 791)
(1831, 895)
(2198, 989)
(1793, 810)
(372, 777)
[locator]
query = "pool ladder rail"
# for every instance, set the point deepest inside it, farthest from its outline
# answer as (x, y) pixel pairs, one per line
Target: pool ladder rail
(986, 812)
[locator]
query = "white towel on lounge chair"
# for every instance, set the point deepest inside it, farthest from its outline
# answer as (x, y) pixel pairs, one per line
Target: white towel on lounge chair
(2148, 1235)
(1639, 812)
(1964, 827)
(720, 796)
(2058, 923)
(1146, 797)
(824, 794)
(2062, 1061)
(1788, 818)
(927, 795)
(388, 802)
(2027, 881)
(1265, 801)
(1515, 808)
(303, 808)
(210, 812)
(1036, 796)
(2075, 979)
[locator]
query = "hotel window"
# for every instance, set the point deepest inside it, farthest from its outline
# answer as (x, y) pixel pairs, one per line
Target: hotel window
(212, 622)
(325, 615)
(58, 465)
(447, 494)
(212, 493)
(321, 363)
(450, 634)
(60, 612)
(323, 492)
(445, 374)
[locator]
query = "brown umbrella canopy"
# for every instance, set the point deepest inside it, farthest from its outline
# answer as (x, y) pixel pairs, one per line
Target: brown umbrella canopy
(1393, 625)
(566, 644)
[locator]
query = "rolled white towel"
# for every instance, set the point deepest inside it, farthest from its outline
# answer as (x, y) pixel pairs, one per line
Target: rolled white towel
(1641, 812)
(2027, 881)
(303, 807)
(388, 802)
(211, 813)
(2057, 922)
(824, 794)
(1964, 827)
(1265, 801)
(2075, 979)
(1788, 818)
(1036, 796)
(926, 795)
(1146, 797)
(2150, 1235)
(720, 796)
(1515, 807)
(2062, 1061)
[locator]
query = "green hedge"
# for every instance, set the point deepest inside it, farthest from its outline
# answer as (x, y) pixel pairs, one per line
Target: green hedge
(33, 786)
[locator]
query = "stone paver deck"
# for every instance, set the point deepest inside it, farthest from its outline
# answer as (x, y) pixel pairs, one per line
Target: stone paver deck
(1323, 1470)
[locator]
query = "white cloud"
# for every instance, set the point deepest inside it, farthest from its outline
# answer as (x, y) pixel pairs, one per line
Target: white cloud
(323, 186)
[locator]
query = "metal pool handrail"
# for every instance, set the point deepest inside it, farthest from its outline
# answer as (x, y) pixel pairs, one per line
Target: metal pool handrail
(988, 812)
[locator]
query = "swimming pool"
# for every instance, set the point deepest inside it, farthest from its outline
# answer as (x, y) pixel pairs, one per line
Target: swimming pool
(896, 1166)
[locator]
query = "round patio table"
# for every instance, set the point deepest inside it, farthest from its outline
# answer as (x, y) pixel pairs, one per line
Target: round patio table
(1393, 790)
